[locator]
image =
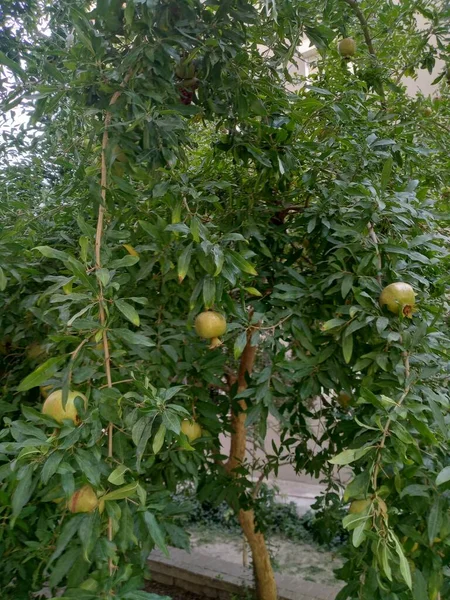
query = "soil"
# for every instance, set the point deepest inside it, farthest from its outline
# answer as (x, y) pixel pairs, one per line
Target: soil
(297, 559)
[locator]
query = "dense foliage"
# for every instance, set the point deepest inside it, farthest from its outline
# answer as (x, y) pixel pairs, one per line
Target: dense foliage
(222, 185)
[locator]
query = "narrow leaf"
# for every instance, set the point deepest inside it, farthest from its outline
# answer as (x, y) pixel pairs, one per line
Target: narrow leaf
(128, 311)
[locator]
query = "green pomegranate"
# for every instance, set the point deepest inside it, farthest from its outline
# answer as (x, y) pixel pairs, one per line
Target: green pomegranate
(53, 406)
(347, 47)
(359, 506)
(344, 399)
(399, 298)
(210, 325)
(191, 429)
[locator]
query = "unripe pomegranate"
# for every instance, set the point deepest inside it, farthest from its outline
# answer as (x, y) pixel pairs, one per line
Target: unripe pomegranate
(53, 406)
(83, 500)
(185, 70)
(191, 429)
(347, 47)
(210, 325)
(399, 298)
(359, 506)
(344, 399)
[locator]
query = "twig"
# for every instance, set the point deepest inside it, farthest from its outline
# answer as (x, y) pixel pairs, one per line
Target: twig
(364, 25)
(389, 421)
(102, 387)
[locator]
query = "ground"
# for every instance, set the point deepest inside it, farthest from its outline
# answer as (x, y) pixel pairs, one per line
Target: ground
(306, 561)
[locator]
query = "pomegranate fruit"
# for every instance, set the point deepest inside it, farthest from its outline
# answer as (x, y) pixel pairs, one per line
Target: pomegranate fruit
(210, 325)
(359, 506)
(347, 47)
(83, 500)
(399, 298)
(53, 406)
(344, 399)
(191, 429)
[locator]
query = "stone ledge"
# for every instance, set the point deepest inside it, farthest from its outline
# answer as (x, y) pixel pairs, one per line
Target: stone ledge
(220, 579)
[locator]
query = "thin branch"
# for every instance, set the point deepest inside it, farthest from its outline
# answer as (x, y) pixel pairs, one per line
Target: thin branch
(366, 32)
(364, 25)
(389, 421)
(98, 265)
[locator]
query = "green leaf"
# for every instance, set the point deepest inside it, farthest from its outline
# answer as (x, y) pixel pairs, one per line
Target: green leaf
(404, 564)
(386, 173)
(443, 476)
(156, 532)
(63, 565)
(239, 344)
(347, 348)
(128, 311)
(172, 421)
(241, 263)
(52, 253)
(420, 588)
(41, 374)
(209, 291)
(126, 261)
(332, 324)
(348, 456)
(132, 338)
(23, 491)
(158, 440)
(117, 477)
(434, 521)
(123, 492)
(184, 260)
(3, 280)
(252, 291)
(12, 65)
(51, 466)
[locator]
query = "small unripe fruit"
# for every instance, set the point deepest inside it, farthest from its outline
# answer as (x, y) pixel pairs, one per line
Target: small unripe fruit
(427, 111)
(344, 399)
(53, 406)
(185, 70)
(347, 47)
(359, 506)
(191, 429)
(399, 298)
(83, 500)
(210, 325)
(34, 351)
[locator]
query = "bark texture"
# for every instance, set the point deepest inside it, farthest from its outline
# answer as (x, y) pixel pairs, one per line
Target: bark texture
(266, 588)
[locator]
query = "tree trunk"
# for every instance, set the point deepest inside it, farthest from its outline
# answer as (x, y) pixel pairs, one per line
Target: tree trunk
(266, 588)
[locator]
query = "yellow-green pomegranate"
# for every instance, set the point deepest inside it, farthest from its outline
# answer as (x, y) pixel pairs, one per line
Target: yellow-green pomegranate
(83, 500)
(53, 406)
(358, 506)
(399, 298)
(191, 429)
(211, 325)
(347, 47)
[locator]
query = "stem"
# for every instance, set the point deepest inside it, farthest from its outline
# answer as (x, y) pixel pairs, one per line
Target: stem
(364, 25)
(389, 421)
(98, 265)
